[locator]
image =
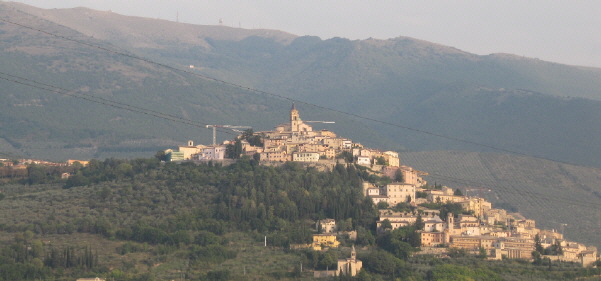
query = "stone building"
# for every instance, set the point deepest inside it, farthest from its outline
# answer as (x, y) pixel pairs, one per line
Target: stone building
(345, 267)
(350, 266)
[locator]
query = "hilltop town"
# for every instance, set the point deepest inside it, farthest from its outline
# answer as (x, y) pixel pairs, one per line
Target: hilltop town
(442, 221)
(446, 220)
(297, 141)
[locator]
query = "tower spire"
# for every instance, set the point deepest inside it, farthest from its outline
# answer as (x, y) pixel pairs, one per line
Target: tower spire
(294, 119)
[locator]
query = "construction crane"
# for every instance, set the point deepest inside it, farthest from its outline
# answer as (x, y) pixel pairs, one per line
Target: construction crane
(479, 190)
(232, 127)
(324, 122)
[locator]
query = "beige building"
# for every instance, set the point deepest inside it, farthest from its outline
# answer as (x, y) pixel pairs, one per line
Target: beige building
(412, 176)
(514, 248)
(444, 195)
(327, 225)
(468, 221)
(396, 220)
(274, 156)
(190, 150)
(477, 205)
(434, 224)
(392, 158)
(393, 193)
(305, 157)
(399, 192)
(321, 241)
(473, 242)
(495, 216)
(432, 239)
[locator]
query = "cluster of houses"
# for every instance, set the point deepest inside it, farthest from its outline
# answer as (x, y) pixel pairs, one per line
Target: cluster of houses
(18, 167)
(498, 233)
(23, 163)
(481, 228)
(292, 141)
(495, 232)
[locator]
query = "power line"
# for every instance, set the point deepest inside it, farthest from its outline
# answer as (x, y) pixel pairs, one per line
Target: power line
(7, 154)
(515, 190)
(250, 89)
(136, 109)
(103, 101)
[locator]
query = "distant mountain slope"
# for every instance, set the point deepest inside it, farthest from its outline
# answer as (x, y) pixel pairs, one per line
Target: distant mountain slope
(529, 106)
(549, 192)
(44, 124)
(144, 32)
(515, 103)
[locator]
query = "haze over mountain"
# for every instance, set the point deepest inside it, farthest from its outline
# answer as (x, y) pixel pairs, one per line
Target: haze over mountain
(524, 105)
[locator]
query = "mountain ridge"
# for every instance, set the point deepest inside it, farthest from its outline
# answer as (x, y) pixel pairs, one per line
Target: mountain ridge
(405, 81)
(107, 27)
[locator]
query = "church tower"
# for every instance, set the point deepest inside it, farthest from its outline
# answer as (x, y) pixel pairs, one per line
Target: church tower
(450, 228)
(295, 120)
(353, 254)
(450, 221)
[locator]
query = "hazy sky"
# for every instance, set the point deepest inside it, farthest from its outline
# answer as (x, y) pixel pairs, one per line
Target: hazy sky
(560, 31)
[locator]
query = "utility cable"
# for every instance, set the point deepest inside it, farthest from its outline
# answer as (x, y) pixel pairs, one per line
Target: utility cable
(250, 89)
(136, 109)
(103, 101)
(516, 191)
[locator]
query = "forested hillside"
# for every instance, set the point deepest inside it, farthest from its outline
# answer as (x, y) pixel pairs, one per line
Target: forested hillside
(184, 212)
(143, 220)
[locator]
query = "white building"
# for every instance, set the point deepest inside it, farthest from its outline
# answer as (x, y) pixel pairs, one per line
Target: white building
(212, 153)
(363, 160)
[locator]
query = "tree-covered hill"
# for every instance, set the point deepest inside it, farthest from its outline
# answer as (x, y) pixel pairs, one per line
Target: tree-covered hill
(143, 220)
(171, 213)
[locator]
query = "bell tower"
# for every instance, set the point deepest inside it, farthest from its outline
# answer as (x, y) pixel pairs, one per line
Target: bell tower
(294, 119)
